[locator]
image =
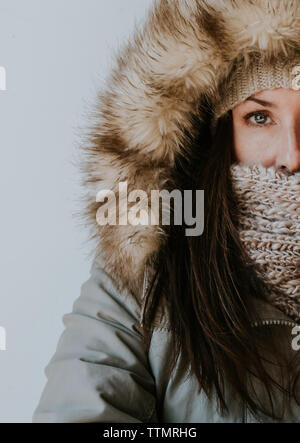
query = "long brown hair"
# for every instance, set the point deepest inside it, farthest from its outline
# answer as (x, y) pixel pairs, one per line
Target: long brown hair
(209, 284)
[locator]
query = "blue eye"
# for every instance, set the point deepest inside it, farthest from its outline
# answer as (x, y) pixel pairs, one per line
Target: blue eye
(257, 119)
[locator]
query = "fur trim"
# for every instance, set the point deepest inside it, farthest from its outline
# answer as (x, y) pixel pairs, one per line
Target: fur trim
(146, 116)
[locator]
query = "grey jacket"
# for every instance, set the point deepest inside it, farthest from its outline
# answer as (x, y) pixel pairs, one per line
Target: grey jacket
(100, 371)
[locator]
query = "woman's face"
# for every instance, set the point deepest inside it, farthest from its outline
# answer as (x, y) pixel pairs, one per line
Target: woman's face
(266, 129)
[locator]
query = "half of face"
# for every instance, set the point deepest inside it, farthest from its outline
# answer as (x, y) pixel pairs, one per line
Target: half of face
(266, 129)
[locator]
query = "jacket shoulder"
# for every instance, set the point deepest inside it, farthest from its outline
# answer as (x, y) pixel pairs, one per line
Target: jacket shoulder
(100, 370)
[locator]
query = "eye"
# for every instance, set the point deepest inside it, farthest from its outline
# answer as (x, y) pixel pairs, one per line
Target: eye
(258, 118)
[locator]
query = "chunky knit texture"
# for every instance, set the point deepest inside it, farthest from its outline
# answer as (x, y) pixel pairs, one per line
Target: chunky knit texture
(256, 74)
(268, 204)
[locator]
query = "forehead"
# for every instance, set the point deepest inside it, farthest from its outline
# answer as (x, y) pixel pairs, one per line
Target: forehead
(274, 98)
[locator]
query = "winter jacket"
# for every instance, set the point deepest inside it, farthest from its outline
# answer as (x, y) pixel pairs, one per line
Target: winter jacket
(147, 116)
(100, 371)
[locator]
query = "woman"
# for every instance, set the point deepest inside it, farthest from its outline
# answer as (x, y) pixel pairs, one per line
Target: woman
(171, 328)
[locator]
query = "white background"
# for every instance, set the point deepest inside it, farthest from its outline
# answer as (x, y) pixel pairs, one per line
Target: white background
(56, 55)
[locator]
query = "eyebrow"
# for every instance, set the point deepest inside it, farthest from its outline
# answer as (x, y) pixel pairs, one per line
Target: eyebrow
(261, 102)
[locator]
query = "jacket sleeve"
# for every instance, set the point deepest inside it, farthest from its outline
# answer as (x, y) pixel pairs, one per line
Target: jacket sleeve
(99, 371)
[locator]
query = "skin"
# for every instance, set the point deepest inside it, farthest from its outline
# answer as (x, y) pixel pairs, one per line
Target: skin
(271, 135)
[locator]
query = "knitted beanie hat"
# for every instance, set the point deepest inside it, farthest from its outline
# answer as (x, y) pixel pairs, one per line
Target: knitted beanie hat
(268, 207)
(255, 74)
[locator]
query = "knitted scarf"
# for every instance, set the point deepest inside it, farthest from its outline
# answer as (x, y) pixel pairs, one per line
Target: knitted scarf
(268, 204)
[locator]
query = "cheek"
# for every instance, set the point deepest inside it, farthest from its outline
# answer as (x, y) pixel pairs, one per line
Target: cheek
(252, 145)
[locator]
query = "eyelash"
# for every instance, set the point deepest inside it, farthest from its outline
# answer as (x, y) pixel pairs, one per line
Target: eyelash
(253, 114)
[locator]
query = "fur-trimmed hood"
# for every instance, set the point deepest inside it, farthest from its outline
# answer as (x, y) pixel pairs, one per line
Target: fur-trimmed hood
(146, 115)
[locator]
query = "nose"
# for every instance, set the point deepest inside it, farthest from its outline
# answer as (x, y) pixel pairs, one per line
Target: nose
(290, 155)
